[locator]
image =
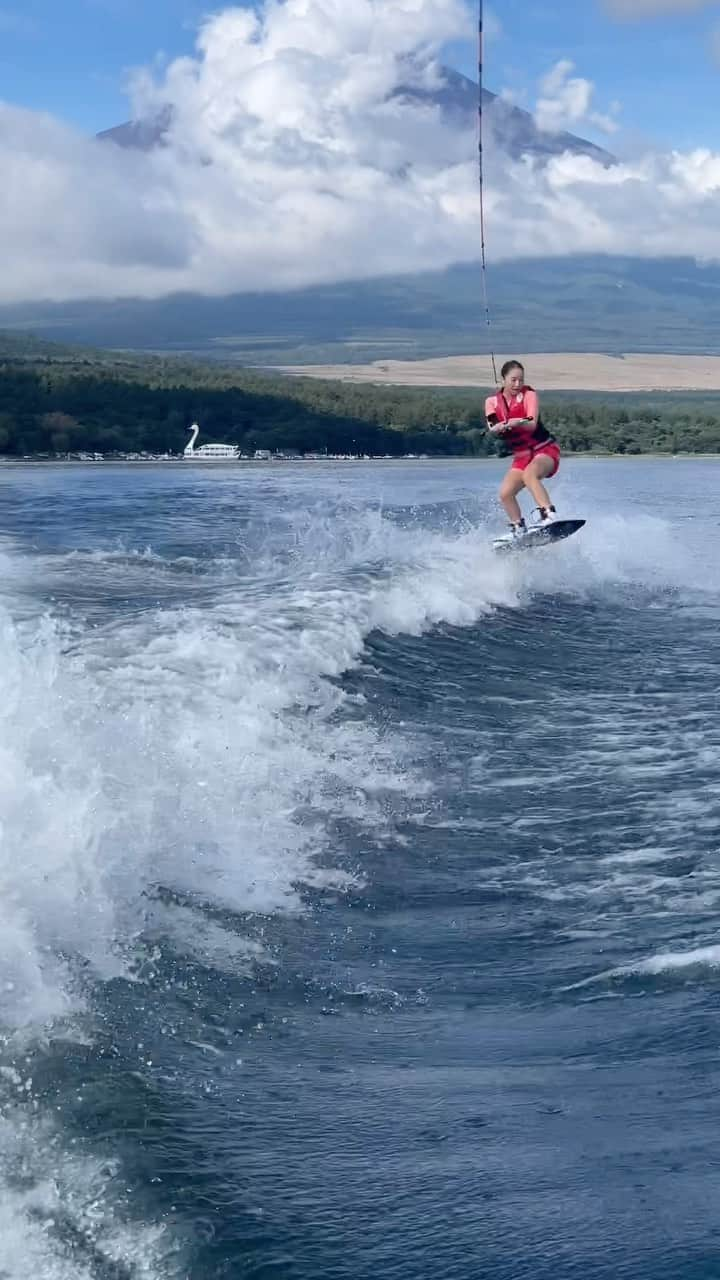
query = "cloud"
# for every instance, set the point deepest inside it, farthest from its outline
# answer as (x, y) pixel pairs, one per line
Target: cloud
(289, 162)
(630, 9)
(566, 102)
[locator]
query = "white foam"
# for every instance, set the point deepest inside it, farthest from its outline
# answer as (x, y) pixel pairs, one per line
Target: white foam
(665, 962)
(207, 750)
(178, 751)
(649, 853)
(44, 1190)
(203, 748)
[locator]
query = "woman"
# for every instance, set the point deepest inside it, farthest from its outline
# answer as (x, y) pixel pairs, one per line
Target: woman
(514, 415)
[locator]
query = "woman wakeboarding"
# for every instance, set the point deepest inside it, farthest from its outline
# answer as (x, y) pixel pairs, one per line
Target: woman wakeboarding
(513, 414)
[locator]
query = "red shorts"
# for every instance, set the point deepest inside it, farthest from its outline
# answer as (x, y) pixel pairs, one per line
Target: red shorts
(523, 457)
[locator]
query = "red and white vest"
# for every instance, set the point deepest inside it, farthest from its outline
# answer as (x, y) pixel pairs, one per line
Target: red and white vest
(518, 438)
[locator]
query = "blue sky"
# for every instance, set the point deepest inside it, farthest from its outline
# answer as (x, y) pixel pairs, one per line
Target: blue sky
(70, 58)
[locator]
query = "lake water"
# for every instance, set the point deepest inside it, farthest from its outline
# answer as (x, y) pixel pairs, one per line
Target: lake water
(358, 887)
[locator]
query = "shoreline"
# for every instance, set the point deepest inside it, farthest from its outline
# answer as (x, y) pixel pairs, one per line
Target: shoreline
(224, 463)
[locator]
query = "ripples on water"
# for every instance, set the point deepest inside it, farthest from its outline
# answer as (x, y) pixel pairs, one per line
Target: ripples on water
(358, 888)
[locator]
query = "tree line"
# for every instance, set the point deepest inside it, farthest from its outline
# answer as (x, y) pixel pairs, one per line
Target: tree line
(58, 403)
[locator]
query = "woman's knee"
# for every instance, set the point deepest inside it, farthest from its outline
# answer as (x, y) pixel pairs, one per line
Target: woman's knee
(511, 485)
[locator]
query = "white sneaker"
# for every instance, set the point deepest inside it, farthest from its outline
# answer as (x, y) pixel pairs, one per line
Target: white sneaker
(547, 516)
(515, 531)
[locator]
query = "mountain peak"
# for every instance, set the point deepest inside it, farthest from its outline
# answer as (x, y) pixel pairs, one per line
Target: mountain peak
(514, 129)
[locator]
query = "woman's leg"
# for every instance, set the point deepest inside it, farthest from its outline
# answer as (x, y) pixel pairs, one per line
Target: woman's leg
(509, 489)
(535, 472)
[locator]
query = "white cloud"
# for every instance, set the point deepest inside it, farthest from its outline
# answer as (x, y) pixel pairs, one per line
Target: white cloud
(287, 163)
(566, 102)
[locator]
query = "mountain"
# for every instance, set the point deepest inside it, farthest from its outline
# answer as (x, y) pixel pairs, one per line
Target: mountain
(515, 130)
(139, 135)
(581, 303)
(588, 303)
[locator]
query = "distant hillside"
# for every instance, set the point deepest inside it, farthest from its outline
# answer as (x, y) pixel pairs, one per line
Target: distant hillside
(113, 405)
(590, 303)
(23, 346)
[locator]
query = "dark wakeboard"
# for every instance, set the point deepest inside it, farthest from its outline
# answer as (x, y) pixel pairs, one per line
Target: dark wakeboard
(541, 536)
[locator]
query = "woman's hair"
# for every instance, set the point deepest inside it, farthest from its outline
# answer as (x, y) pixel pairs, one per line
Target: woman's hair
(509, 366)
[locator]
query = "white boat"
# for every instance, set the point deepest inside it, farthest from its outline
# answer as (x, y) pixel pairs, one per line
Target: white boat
(208, 452)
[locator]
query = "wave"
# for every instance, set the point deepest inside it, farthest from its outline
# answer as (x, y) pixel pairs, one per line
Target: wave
(170, 763)
(210, 747)
(664, 963)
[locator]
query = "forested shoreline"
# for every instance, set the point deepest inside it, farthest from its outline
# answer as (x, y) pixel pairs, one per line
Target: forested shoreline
(55, 403)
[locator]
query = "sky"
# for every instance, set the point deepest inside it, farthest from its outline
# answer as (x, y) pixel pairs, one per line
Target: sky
(289, 162)
(73, 58)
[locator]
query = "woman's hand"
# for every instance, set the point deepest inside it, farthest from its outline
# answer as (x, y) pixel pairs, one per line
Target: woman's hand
(497, 428)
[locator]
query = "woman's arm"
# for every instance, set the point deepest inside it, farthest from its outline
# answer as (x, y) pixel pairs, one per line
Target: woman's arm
(494, 426)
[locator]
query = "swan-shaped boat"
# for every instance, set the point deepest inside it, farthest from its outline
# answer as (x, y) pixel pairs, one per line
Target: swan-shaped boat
(208, 452)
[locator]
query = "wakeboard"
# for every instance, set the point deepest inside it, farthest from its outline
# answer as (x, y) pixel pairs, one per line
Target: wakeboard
(542, 536)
